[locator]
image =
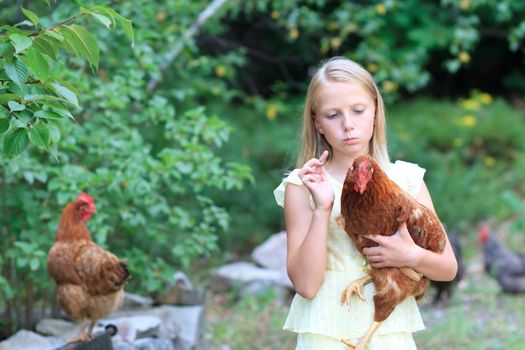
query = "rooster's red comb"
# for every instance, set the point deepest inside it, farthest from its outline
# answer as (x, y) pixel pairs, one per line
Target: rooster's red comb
(85, 197)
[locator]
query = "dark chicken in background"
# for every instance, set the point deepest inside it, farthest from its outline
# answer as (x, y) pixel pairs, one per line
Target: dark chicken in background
(505, 266)
(444, 289)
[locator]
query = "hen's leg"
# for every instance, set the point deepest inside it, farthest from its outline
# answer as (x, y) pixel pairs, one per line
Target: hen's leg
(82, 336)
(357, 288)
(411, 273)
(363, 343)
(91, 327)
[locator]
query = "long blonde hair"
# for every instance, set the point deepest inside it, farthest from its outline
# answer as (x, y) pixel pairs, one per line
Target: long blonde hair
(341, 69)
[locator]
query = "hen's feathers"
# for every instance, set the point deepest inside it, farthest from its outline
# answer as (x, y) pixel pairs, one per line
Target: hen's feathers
(379, 210)
(90, 280)
(85, 263)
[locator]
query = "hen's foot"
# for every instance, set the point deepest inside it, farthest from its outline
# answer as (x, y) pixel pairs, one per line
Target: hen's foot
(360, 346)
(82, 337)
(347, 343)
(357, 288)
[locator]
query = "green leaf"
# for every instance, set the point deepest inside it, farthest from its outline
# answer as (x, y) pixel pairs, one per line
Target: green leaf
(54, 34)
(66, 93)
(37, 63)
(103, 19)
(46, 47)
(34, 263)
(15, 142)
(17, 72)
(126, 23)
(6, 50)
(15, 106)
(20, 42)
(30, 16)
(54, 132)
(44, 114)
(29, 177)
(128, 28)
(7, 97)
(83, 42)
(4, 125)
(39, 135)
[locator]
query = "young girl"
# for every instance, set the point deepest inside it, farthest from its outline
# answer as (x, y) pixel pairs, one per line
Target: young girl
(344, 117)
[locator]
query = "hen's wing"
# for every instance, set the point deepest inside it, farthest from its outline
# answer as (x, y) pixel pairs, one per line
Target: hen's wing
(61, 263)
(426, 228)
(101, 271)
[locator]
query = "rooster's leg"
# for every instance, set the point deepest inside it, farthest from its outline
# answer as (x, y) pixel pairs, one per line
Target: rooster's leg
(363, 343)
(357, 288)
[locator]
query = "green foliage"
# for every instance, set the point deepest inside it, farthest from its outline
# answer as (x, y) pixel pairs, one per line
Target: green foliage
(472, 151)
(148, 157)
(31, 91)
(404, 44)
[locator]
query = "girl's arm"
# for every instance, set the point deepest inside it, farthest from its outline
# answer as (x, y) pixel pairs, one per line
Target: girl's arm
(307, 228)
(400, 250)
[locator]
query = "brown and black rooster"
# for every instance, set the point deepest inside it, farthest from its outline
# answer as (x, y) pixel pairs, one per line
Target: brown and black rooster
(371, 203)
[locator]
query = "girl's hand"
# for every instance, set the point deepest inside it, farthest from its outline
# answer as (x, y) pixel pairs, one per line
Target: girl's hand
(398, 250)
(314, 177)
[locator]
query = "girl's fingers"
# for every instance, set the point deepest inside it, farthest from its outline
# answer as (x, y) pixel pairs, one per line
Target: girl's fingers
(323, 158)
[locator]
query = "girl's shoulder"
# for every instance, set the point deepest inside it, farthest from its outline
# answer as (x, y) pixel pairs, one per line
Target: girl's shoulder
(289, 177)
(407, 175)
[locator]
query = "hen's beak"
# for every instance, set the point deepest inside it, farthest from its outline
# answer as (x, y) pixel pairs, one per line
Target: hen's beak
(359, 188)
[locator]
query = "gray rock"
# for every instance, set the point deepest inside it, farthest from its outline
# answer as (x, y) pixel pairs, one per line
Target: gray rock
(154, 344)
(134, 301)
(272, 252)
(182, 324)
(182, 292)
(241, 273)
(130, 328)
(28, 340)
(59, 328)
(190, 322)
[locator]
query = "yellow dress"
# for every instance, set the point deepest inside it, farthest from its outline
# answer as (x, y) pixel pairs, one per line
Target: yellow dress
(322, 322)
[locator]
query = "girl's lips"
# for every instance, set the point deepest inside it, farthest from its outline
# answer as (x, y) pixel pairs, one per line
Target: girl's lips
(350, 139)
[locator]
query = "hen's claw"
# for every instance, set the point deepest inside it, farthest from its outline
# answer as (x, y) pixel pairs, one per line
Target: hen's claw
(347, 343)
(357, 288)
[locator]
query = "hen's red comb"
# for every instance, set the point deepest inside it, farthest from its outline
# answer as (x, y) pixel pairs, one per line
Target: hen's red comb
(85, 197)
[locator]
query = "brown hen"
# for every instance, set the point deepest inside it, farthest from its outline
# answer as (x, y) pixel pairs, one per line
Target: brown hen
(90, 280)
(371, 203)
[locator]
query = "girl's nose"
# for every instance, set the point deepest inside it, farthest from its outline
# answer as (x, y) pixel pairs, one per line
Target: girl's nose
(348, 123)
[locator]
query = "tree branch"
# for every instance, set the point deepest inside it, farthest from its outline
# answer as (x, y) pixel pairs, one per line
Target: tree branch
(194, 28)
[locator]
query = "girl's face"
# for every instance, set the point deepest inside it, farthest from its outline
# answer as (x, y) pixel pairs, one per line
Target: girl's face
(345, 114)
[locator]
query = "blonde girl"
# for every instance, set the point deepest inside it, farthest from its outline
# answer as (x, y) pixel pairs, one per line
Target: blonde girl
(344, 117)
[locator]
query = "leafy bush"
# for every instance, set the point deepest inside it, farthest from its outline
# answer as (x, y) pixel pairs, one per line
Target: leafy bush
(144, 146)
(472, 150)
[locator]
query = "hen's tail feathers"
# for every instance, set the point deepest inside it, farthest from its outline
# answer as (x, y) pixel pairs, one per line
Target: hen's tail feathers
(125, 269)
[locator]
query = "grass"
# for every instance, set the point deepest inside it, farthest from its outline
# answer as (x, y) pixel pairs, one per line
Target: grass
(252, 322)
(479, 317)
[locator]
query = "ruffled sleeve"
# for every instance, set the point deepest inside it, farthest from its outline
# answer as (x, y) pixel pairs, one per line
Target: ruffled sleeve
(409, 176)
(293, 178)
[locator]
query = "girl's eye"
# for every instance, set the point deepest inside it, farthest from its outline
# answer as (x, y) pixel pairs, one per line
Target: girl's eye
(359, 111)
(332, 115)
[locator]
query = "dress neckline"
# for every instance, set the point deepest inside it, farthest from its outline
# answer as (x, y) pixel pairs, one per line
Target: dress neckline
(334, 179)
